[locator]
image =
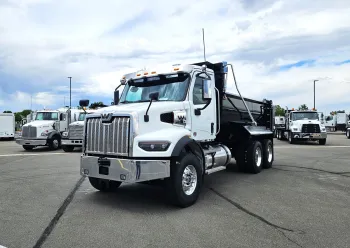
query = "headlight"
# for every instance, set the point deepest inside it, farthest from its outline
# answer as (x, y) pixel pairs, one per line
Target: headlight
(45, 133)
(323, 129)
(154, 146)
(65, 134)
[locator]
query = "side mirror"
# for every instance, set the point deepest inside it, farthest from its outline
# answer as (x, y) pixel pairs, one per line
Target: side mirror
(207, 94)
(154, 96)
(116, 97)
(84, 103)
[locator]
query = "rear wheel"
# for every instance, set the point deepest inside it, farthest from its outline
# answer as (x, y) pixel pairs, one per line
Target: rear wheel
(104, 185)
(254, 157)
(68, 148)
(348, 134)
(268, 154)
(185, 182)
(322, 141)
(28, 148)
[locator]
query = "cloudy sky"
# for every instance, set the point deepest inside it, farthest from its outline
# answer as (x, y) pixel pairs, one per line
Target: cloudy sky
(277, 47)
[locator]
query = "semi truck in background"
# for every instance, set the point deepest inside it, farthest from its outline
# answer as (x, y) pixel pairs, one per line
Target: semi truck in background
(176, 125)
(337, 122)
(7, 126)
(279, 123)
(73, 137)
(46, 129)
(302, 125)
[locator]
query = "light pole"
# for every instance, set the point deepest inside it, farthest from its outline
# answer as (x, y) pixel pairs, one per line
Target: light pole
(70, 92)
(315, 92)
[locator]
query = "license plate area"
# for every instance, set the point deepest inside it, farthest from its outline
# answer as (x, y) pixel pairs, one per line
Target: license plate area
(103, 166)
(315, 135)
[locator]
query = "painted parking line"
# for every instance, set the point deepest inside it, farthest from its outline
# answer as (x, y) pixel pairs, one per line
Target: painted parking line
(313, 147)
(33, 154)
(2, 246)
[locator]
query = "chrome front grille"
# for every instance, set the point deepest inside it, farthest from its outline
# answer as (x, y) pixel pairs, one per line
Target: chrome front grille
(28, 132)
(108, 138)
(76, 132)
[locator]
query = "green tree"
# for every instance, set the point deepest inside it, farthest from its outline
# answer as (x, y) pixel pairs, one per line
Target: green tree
(7, 111)
(95, 105)
(303, 107)
(279, 111)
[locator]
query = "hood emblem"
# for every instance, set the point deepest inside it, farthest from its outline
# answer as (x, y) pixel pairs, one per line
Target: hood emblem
(106, 117)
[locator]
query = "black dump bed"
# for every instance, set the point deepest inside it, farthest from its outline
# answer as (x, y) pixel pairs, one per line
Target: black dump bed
(233, 114)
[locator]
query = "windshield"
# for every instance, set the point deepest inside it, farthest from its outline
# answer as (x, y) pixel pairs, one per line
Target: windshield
(305, 116)
(46, 116)
(170, 88)
(81, 117)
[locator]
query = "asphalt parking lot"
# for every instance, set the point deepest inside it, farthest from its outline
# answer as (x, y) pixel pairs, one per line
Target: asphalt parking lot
(303, 201)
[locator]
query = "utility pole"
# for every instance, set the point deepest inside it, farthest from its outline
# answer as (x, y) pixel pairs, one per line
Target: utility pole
(70, 92)
(315, 92)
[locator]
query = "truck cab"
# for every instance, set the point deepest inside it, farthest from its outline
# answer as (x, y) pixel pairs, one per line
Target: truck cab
(304, 125)
(73, 137)
(44, 130)
(176, 125)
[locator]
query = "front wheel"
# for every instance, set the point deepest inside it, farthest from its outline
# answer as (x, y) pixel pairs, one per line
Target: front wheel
(348, 134)
(68, 148)
(185, 182)
(54, 142)
(290, 138)
(104, 185)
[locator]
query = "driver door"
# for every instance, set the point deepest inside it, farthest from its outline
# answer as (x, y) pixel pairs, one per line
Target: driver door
(203, 122)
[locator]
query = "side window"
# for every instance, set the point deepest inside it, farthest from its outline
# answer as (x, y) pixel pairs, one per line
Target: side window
(198, 92)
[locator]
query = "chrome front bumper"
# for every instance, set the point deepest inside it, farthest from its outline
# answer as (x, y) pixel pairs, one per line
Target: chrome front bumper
(310, 136)
(124, 170)
(71, 142)
(29, 142)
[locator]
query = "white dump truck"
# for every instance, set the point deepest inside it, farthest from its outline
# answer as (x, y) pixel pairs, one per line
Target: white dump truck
(302, 125)
(73, 137)
(7, 126)
(176, 125)
(45, 130)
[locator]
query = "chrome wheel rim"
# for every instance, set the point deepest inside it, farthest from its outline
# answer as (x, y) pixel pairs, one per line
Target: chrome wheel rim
(258, 157)
(269, 153)
(55, 143)
(189, 180)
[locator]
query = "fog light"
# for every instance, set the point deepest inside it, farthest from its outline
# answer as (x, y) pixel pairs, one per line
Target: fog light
(122, 177)
(85, 171)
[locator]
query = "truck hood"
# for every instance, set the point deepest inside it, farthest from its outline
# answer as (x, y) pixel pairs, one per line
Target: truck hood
(77, 123)
(140, 108)
(299, 123)
(40, 124)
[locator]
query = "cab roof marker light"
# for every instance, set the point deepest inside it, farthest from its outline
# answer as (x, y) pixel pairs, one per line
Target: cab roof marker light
(153, 72)
(138, 74)
(145, 73)
(176, 68)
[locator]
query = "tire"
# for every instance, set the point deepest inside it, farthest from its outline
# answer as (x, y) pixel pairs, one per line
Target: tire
(27, 148)
(348, 134)
(190, 166)
(322, 142)
(54, 142)
(68, 148)
(268, 154)
(104, 185)
(254, 157)
(290, 138)
(279, 135)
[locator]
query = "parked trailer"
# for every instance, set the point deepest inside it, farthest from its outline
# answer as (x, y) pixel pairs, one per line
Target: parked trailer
(7, 126)
(176, 125)
(302, 125)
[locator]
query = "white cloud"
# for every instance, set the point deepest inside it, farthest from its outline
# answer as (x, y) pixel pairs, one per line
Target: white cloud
(96, 44)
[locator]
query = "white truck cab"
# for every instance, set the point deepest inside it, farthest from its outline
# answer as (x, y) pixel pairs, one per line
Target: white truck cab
(176, 125)
(303, 125)
(73, 137)
(44, 130)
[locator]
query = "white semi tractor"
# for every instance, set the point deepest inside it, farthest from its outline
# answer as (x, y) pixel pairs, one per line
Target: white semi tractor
(73, 137)
(46, 129)
(176, 125)
(302, 125)
(7, 126)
